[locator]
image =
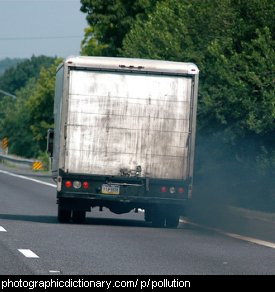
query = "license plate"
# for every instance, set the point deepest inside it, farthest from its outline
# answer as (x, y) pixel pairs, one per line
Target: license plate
(110, 189)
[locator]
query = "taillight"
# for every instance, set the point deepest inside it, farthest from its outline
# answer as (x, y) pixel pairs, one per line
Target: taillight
(77, 184)
(85, 185)
(181, 190)
(163, 189)
(68, 184)
(172, 190)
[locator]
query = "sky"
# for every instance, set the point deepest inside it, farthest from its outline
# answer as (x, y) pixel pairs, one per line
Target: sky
(40, 27)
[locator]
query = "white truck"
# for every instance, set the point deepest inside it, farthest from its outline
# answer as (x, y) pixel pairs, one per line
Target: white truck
(124, 137)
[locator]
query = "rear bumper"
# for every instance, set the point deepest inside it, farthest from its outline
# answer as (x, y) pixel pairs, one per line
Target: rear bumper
(134, 192)
(99, 199)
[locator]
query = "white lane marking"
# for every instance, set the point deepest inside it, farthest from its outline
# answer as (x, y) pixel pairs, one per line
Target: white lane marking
(2, 229)
(236, 236)
(252, 240)
(52, 271)
(28, 178)
(28, 253)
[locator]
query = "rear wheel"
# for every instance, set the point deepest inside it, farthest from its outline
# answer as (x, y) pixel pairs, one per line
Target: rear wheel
(147, 216)
(172, 220)
(79, 216)
(158, 219)
(63, 215)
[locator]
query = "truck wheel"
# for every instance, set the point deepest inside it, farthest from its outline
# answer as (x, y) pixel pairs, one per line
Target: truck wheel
(79, 216)
(158, 219)
(147, 216)
(172, 220)
(63, 215)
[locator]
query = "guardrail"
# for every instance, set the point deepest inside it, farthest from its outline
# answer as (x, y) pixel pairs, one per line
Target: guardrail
(31, 163)
(16, 159)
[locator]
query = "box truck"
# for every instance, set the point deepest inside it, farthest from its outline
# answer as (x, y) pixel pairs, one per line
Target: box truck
(124, 137)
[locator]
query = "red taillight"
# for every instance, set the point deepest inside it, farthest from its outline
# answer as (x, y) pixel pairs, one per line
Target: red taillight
(163, 189)
(181, 190)
(68, 184)
(85, 185)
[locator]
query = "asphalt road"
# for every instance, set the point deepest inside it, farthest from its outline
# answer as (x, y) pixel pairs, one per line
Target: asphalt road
(109, 243)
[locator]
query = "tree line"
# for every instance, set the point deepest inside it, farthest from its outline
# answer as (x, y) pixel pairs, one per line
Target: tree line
(231, 41)
(25, 118)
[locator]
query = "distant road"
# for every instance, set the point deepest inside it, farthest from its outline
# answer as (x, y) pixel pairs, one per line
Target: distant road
(33, 242)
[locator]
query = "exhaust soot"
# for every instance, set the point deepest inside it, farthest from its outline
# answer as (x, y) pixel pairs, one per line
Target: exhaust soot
(224, 181)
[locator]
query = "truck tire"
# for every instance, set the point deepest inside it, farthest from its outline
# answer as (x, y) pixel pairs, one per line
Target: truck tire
(172, 220)
(79, 216)
(158, 219)
(63, 215)
(147, 216)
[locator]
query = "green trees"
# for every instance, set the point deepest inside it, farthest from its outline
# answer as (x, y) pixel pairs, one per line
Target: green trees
(179, 30)
(15, 124)
(40, 104)
(244, 85)
(7, 63)
(25, 120)
(17, 76)
(109, 21)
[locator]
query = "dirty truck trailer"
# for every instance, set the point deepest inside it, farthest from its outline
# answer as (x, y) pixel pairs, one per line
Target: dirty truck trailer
(124, 137)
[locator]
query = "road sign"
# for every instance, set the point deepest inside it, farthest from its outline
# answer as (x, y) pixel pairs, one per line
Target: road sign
(37, 165)
(5, 143)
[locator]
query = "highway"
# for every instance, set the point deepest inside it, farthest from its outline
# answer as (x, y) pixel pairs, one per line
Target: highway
(33, 242)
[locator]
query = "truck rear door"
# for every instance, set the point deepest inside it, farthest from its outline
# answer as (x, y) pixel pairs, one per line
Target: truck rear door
(119, 120)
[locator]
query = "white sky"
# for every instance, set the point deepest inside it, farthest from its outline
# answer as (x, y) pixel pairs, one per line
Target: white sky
(36, 27)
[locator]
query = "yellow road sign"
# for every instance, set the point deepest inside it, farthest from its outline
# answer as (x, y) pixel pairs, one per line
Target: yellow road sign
(37, 165)
(5, 143)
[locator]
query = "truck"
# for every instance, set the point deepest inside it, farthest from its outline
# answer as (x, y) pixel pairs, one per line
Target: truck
(124, 137)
